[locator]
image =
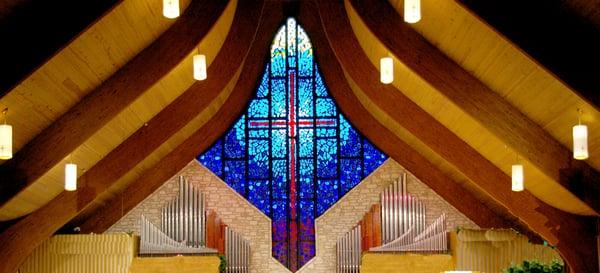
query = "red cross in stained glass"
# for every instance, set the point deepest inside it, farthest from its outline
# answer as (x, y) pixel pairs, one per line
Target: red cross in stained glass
(292, 123)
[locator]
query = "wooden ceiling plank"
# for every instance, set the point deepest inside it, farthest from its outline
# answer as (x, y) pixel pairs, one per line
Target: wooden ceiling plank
(483, 104)
(20, 239)
(573, 235)
(100, 106)
(560, 37)
(168, 166)
(34, 31)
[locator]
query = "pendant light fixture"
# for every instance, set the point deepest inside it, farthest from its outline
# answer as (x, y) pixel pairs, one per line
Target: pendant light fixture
(70, 176)
(5, 138)
(171, 8)
(412, 11)
(580, 139)
(517, 176)
(386, 70)
(200, 67)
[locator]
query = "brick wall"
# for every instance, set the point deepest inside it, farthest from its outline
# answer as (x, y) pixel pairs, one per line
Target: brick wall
(256, 227)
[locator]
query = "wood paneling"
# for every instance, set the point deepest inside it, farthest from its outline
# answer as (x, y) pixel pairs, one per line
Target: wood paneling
(570, 233)
(483, 106)
(558, 37)
(179, 156)
(131, 119)
(33, 31)
(100, 106)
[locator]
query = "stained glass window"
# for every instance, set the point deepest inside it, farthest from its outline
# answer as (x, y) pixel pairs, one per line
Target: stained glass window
(292, 154)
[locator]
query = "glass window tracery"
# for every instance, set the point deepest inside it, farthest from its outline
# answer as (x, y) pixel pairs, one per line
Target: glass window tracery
(292, 154)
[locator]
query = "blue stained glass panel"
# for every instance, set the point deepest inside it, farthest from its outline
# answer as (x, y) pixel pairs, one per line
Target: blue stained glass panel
(279, 143)
(328, 194)
(306, 185)
(326, 158)
(351, 173)
(305, 55)
(306, 142)
(280, 181)
(255, 156)
(305, 98)
(320, 86)
(325, 108)
(212, 159)
(263, 88)
(258, 195)
(278, 98)
(234, 175)
(350, 140)
(373, 157)
(235, 144)
(259, 109)
(258, 151)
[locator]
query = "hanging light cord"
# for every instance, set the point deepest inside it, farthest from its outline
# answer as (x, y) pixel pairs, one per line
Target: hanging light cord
(5, 112)
(579, 113)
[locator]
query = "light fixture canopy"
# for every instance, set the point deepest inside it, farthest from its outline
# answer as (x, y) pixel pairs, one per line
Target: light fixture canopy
(171, 8)
(70, 177)
(517, 177)
(412, 11)
(5, 139)
(386, 70)
(200, 67)
(580, 142)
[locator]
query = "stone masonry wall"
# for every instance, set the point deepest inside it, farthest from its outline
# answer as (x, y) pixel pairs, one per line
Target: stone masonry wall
(349, 210)
(232, 208)
(240, 215)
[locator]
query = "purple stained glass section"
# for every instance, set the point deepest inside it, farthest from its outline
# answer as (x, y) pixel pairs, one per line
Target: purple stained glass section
(292, 154)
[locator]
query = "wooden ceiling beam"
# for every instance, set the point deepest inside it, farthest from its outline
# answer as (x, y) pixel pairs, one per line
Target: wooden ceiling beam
(100, 106)
(564, 40)
(573, 235)
(385, 139)
(480, 102)
(201, 140)
(34, 31)
(20, 239)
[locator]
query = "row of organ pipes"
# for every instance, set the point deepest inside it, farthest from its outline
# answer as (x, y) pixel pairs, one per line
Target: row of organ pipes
(183, 229)
(403, 229)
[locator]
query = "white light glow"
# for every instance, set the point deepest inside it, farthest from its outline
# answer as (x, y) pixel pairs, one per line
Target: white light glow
(200, 67)
(5, 141)
(70, 177)
(412, 11)
(580, 142)
(517, 177)
(386, 70)
(171, 8)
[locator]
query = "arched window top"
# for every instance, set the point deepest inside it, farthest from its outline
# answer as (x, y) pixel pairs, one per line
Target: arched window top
(292, 154)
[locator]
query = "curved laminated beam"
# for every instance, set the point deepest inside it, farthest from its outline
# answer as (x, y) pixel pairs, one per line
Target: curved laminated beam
(573, 235)
(481, 103)
(100, 106)
(34, 31)
(204, 136)
(557, 36)
(549, 158)
(20, 239)
(385, 139)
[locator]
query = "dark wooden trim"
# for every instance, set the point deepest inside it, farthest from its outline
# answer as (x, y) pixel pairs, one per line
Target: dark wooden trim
(570, 233)
(554, 34)
(21, 238)
(34, 31)
(177, 159)
(100, 106)
(479, 101)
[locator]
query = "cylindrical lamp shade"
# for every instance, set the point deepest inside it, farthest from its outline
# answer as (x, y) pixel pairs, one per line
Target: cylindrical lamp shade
(5, 141)
(517, 177)
(580, 145)
(412, 11)
(171, 8)
(70, 177)
(200, 67)
(386, 70)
